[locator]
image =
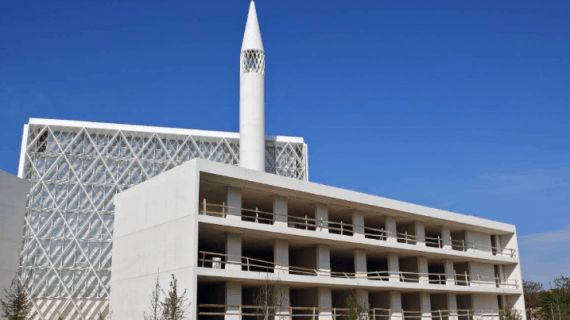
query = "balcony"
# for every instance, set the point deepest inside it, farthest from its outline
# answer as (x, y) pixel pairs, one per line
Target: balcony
(215, 260)
(345, 229)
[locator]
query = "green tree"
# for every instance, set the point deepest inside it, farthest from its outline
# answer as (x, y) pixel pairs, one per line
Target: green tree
(554, 301)
(174, 306)
(17, 305)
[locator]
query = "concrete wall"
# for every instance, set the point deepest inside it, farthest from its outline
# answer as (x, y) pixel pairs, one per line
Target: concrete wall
(13, 191)
(480, 239)
(485, 305)
(155, 231)
(486, 271)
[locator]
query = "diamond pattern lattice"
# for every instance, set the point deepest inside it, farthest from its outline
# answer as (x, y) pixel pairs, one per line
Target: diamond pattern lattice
(253, 61)
(75, 172)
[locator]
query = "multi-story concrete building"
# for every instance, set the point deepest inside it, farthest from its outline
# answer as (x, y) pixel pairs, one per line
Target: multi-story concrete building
(221, 230)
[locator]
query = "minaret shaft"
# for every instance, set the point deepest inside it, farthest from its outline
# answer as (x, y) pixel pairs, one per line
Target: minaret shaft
(252, 96)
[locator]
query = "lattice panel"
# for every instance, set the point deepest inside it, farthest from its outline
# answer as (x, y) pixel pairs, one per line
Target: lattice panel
(75, 172)
(253, 61)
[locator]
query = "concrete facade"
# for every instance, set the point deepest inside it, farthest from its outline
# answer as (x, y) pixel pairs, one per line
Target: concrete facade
(13, 192)
(180, 223)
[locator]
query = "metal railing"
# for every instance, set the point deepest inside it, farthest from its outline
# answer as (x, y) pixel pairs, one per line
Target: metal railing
(342, 228)
(314, 313)
(220, 260)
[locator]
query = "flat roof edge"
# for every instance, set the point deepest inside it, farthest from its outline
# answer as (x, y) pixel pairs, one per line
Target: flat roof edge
(164, 130)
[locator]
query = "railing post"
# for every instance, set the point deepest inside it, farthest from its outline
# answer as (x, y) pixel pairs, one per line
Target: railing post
(440, 318)
(247, 259)
(256, 215)
(341, 227)
(334, 313)
(321, 226)
(406, 236)
(224, 209)
(313, 313)
(466, 279)
(463, 242)
(439, 245)
(374, 314)
(306, 223)
(204, 201)
(240, 312)
(203, 258)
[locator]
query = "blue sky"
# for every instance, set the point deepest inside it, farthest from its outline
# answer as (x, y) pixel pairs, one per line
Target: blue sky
(459, 105)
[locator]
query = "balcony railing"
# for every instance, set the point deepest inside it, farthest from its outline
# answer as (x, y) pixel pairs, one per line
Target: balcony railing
(342, 228)
(313, 313)
(216, 260)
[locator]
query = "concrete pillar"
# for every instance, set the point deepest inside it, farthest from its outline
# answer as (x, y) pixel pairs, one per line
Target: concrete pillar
(423, 270)
(360, 263)
(233, 250)
(391, 229)
(396, 306)
(283, 301)
(446, 236)
(452, 306)
(281, 256)
(362, 301)
(358, 224)
(325, 301)
(322, 217)
(425, 305)
(420, 231)
(233, 201)
(394, 267)
(323, 260)
(280, 211)
(449, 272)
(233, 298)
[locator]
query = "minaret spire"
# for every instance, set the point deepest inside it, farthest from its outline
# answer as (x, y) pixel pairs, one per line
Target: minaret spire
(252, 96)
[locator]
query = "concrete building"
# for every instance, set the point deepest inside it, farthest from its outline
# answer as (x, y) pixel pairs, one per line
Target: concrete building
(221, 230)
(12, 208)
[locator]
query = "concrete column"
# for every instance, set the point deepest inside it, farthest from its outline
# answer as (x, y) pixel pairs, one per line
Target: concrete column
(452, 306)
(360, 263)
(233, 201)
(394, 267)
(322, 217)
(280, 211)
(281, 256)
(449, 272)
(420, 230)
(396, 305)
(284, 301)
(446, 236)
(323, 260)
(325, 301)
(233, 250)
(362, 300)
(391, 228)
(358, 224)
(425, 305)
(423, 269)
(233, 297)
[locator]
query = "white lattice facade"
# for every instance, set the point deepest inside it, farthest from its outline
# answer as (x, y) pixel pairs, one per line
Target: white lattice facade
(75, 169)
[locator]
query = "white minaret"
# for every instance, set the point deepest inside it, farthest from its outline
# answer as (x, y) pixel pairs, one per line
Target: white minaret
(252, 96)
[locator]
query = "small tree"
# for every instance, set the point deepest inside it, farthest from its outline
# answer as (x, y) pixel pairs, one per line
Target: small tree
(17, 305)
(270, 298)
(174, 306)
(358, 308)
(511, 314)
(532, 292)
(155, 308)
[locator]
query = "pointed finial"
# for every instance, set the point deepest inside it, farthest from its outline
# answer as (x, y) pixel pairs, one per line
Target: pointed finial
(252, 35)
